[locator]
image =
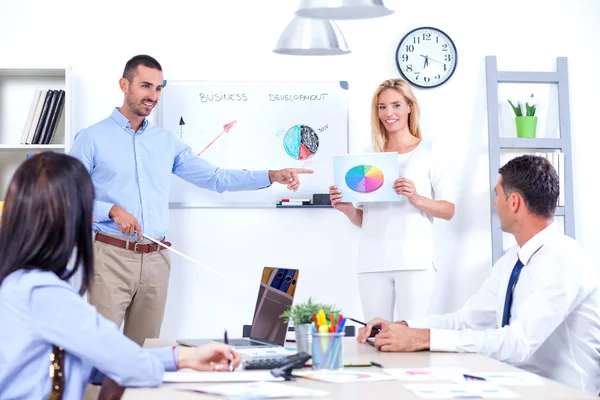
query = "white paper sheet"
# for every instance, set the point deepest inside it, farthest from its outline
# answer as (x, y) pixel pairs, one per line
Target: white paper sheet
(424, 374)
(185, 375)
(260, 390)
(502, 378)
(456, 391)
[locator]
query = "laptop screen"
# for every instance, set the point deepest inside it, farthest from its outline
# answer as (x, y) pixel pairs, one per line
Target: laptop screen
(275, 295)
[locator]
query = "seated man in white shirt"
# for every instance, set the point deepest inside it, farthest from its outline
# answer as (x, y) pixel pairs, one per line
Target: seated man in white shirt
(542, 317)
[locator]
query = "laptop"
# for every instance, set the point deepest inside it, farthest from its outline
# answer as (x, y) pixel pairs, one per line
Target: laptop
(275, 295)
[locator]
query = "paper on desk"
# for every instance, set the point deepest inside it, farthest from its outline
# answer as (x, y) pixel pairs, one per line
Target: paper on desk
(456, 391)
(424, 374)
(343, 376)
(502, 378)
(259, 390)
(188, 375)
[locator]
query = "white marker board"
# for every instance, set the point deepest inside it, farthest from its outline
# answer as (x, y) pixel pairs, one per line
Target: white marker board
(257, 126)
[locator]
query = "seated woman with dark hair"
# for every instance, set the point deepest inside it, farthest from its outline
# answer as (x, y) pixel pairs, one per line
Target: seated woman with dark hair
(45, 238)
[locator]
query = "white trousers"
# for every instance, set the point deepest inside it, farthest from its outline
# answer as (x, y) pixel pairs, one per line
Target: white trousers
(409, 291)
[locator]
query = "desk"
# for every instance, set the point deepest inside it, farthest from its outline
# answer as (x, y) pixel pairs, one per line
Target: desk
(355, 352)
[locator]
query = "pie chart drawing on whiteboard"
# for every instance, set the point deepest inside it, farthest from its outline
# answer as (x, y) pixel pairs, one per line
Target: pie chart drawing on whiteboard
(364, 178)
(301, 142)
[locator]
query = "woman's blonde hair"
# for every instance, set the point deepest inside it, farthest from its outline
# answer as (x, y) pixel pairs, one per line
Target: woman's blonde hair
(379, 135)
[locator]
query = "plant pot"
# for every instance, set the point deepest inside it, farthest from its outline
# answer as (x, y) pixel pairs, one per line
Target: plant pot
(304, 338)
(526, 126)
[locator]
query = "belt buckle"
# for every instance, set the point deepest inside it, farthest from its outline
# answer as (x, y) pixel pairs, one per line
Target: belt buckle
(135, 245)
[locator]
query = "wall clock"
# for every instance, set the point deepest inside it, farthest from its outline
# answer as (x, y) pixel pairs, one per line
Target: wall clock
(426, 57)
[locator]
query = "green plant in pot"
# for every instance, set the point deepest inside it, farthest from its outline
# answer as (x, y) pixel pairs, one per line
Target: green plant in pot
(526, 124)
(301, 317)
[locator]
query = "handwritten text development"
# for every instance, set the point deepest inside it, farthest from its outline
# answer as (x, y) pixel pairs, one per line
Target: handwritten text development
(297, 97)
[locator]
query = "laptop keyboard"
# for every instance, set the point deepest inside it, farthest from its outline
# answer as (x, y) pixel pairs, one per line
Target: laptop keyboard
(244, 342)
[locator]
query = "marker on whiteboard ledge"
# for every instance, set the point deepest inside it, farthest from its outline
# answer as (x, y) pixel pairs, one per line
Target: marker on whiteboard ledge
(295, 202)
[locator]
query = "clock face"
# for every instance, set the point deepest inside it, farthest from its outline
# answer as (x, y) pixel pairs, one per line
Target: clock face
(426, 57)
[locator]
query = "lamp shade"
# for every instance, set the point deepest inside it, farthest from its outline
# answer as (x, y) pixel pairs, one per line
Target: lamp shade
(312, 37)
(342, 9)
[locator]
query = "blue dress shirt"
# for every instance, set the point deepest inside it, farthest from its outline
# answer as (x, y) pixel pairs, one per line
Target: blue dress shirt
(133, 170)
(38, 310)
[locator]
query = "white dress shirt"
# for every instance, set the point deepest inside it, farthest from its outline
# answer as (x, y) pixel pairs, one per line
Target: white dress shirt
(397, 235)
(554, 329)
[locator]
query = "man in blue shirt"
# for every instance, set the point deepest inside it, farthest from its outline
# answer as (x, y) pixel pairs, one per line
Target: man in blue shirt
(131, 161)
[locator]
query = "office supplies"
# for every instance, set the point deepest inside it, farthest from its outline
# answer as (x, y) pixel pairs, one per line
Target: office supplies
(500, 378)
(327, 350)
(287, 279)
(374, 331)
(259, 390)
(274, 362)
(376, 364)
(190, 375)
(268, 329)
(278, 278)
(265, 352)
(425, 374)
(342, 376)
(473, 378)
(346, 365)
(170, 248)
(226, 341)
(321, 199)
(366, 177)
(295, 361)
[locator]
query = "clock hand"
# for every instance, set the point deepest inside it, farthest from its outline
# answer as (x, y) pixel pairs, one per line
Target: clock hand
(433, 59)
(426, 64)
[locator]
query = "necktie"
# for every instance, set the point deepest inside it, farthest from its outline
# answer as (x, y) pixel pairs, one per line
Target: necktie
(514, 276)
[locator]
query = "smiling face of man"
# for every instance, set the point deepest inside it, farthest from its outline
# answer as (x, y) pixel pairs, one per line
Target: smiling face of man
(142, 92)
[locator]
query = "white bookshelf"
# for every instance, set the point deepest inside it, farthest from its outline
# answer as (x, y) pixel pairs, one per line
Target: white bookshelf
(17, 86)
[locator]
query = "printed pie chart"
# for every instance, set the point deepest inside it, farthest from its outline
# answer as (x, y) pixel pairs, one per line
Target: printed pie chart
(301, 142)
(364, 178)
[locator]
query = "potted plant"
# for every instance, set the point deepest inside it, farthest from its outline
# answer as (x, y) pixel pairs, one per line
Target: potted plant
(301, 317)
(526, 124)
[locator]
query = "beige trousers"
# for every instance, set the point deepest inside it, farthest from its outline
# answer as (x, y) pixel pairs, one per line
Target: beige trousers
(130, 288)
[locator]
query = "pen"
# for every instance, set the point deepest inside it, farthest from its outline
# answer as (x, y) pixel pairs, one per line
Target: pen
(373, 363)
(363, 324)
(473, 378)
(226, 340)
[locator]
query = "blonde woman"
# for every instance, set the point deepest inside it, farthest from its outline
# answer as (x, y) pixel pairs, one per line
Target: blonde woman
(395, 266)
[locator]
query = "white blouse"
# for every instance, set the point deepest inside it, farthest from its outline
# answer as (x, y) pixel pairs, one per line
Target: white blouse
(397, 235)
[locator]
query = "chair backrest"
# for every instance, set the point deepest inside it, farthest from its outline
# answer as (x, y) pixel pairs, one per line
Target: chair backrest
(349, 330)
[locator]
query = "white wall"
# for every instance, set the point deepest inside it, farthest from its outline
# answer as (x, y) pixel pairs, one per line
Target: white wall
(233, 40)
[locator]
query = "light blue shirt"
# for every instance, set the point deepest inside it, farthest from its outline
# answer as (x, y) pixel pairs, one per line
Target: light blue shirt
(133, 170)
(38, 310)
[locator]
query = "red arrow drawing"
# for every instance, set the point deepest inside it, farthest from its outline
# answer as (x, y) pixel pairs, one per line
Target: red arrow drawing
(226, 128)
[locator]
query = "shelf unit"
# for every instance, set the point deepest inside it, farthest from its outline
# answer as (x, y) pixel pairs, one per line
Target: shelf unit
(497, 143)
(17, 86)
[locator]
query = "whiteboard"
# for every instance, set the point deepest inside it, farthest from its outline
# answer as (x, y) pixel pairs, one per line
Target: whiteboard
(257, 126)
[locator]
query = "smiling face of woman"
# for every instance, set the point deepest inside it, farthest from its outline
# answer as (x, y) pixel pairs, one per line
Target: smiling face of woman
(393, 110)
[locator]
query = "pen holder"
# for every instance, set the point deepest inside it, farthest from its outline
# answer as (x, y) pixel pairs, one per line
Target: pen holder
(327, 351)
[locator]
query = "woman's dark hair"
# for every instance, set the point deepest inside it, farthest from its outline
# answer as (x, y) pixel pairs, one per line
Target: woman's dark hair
(47, 216)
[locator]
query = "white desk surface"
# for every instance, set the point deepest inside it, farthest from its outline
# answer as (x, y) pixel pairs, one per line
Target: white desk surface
(355, 352)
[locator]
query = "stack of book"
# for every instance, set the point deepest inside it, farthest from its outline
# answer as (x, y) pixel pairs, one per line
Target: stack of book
(44, 113)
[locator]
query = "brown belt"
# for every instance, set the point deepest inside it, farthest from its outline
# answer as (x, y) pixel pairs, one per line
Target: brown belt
(131, 244)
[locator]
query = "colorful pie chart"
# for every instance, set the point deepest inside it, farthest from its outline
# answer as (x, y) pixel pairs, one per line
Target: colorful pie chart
(364, 178)
(301, 142)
